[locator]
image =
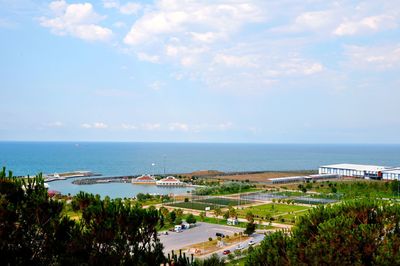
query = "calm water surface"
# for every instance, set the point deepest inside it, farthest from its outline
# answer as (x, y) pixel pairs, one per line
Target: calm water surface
(113, 159)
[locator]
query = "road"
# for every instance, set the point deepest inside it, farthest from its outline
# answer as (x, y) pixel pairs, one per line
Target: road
(200, 233)
(256, 238)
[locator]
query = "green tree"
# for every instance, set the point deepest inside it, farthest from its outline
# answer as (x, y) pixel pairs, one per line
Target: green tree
(190, 219)
(358, 232)
(217, 212)
(232, 212)
(33, 230)
(250, 228)
(226, 215)
(179, 213)
(171, 217)
(202, 215)
(250, 217)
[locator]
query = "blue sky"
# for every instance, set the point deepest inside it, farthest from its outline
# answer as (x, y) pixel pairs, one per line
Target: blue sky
(200, 71)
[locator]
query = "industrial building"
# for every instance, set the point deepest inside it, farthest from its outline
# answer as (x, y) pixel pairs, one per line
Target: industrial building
(362, 171)
(295, 179)
(392, 174)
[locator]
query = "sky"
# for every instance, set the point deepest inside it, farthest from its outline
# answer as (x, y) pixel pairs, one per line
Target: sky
(309, 71)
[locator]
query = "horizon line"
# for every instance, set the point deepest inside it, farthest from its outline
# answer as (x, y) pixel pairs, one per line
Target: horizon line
(196, 142)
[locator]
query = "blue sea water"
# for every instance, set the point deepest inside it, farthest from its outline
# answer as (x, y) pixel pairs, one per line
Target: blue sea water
(113, 159)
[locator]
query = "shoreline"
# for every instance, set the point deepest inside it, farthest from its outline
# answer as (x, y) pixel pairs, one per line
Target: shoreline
(251, 176)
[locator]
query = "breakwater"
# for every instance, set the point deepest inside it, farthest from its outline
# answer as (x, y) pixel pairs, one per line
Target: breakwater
(112, 179)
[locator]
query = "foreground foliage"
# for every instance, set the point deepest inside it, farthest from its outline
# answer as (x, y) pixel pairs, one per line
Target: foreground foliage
(359, 232)
(33, 230)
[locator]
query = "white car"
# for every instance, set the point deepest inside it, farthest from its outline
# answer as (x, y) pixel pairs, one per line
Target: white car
(251, 242)
(239, 247)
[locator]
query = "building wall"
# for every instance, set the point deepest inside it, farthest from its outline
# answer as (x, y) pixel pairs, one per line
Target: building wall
(391, 176)
(343, 172)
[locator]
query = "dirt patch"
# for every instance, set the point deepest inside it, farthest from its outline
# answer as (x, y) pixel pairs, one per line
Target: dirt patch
(203, 173)
(262, 177)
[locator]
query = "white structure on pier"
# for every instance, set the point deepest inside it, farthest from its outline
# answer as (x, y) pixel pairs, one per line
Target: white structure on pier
(170, 181)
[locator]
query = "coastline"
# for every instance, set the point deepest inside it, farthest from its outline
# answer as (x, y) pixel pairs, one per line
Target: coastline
(251, 176)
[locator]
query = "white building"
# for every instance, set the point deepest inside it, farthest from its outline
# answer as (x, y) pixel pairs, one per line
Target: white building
(171, 182)
(232, 221)
(144, 179)
(362, 171)
(289, 179)
(392, 174)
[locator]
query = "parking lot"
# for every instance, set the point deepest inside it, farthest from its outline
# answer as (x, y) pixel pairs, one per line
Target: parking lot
(200, 233)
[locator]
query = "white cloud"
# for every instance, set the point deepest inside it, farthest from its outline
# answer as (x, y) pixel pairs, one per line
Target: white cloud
(56, 124)
(119, 24)
(178, 127)
(234, 61)
(373, 57)
(173, 17)
(225, 125)
(313, 68)
(96, 125)
(151, 126)
(78, 20)
(130, 8)
(129, 126)
(366, 25)
(318, 21)
(110, 3)
(149, 58)
(156, 85)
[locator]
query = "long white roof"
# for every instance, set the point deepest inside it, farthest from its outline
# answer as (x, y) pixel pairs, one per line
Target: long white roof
(357, 167)
(393, 171)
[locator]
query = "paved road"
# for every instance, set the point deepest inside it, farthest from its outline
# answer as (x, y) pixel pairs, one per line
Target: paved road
(257, 238)
(200, 233)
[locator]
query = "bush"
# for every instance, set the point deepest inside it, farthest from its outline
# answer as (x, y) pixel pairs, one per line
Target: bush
(210, 239)
(191, 219)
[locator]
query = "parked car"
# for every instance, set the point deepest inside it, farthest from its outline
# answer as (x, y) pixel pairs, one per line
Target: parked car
(239, 247)
(251, 242)
(220, 234)
(226, 252)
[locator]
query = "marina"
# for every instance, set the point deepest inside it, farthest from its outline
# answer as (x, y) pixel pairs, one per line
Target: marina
(67, 175)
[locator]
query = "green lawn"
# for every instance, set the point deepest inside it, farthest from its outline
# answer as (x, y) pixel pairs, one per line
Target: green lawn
(201, 204)
(244, 190)
(224, 201)
(213, 220)
(239, 262)
(271, 209)
(192, 205)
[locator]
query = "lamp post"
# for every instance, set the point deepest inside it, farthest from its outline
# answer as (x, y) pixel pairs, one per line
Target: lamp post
(153, 164)
(164, 163)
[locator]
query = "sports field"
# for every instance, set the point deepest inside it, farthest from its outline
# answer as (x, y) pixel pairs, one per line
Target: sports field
(201, 206)
(224, 201)
(272, 210)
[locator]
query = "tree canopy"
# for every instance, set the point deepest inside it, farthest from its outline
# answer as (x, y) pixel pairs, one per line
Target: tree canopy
(362, 232)
(33, 230)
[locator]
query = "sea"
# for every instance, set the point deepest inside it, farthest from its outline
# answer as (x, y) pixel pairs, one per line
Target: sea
(119, 159)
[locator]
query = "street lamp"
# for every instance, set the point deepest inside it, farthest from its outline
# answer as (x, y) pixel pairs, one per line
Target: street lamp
(153, 164)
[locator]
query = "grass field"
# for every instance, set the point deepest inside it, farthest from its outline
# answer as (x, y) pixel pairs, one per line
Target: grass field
(213, 220)
(192, 205)
(351, 189)
(224, 201)
(201, 204)
(273, 210)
